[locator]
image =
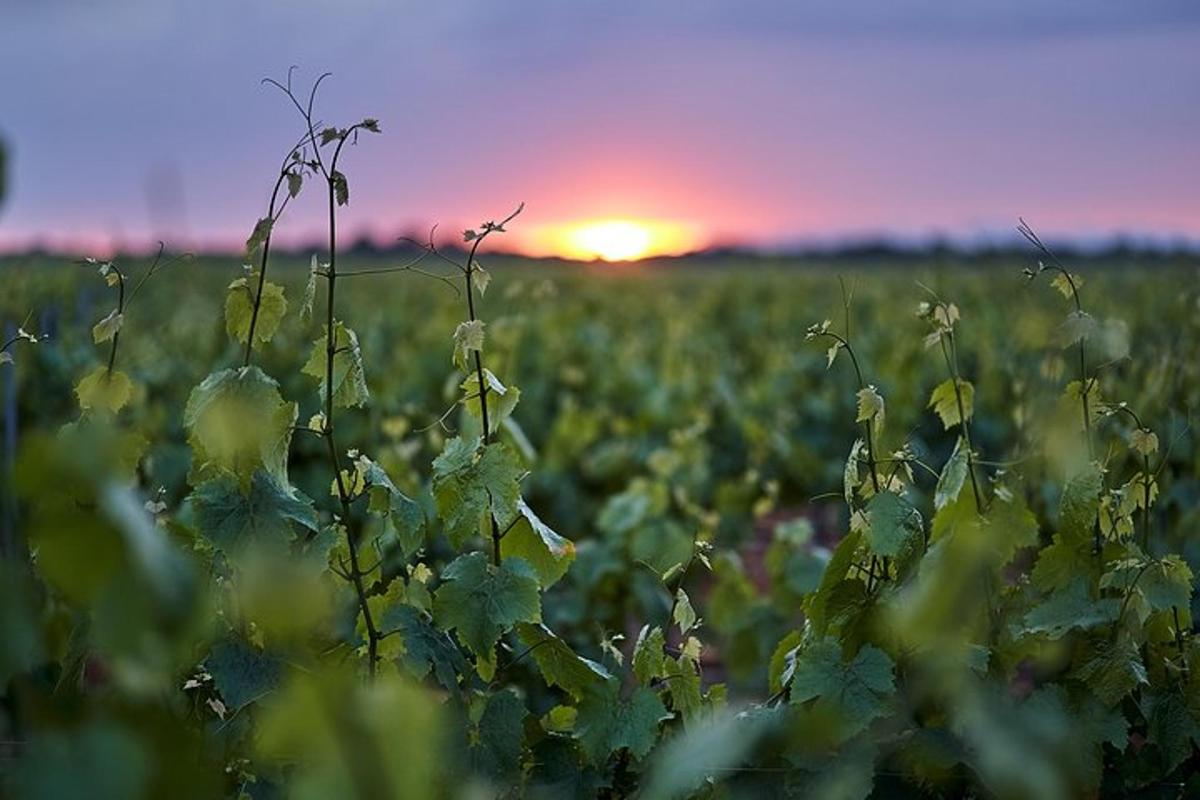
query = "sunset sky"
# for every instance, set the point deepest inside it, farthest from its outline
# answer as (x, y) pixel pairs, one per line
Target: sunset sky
(765, 123)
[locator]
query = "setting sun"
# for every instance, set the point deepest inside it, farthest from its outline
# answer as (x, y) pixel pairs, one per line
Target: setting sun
(615, 239)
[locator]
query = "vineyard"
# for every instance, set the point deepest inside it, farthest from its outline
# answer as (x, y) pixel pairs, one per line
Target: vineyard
(459, 524)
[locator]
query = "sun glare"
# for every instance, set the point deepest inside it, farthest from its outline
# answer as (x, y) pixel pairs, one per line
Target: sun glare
(616, 239)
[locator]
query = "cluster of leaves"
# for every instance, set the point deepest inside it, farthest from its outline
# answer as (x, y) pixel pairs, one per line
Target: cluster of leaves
(422, 631)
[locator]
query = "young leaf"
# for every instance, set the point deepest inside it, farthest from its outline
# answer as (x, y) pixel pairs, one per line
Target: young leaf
(102, 390)
(468, 337)
(954, 475)
(108, 327)
(870, 407)
(648, 656)
(341, 188)
(482, 601)
(349, 381)
(501, 399)
(944, 401)
(1144, 442)
(239, 310)
(262, 229)
(685, 615)
(310, 291)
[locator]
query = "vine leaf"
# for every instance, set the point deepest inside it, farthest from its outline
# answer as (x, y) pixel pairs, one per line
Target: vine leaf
(607, 723)
(349, 380)
(954, 475)
(107, 328)
(266, 512)
(944, 401)
(482, 602)
(239, 309)
(529, 538)
(238, 423)
(854, 694)
(103, 390)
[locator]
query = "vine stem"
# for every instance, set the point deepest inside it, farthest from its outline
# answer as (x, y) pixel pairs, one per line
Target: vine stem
(330, 173)
(468, 271)
(951, 355)
(869, 434)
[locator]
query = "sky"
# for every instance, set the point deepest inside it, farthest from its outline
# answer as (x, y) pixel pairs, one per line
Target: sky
(757, 122)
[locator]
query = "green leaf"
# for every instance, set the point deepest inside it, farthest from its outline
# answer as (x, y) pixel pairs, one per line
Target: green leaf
(648, 656)
(684, 615)
(310, 291)
(954, 475)
(468, 338)
(107, 328)
(944, 402)
(529, 538)
(295, 180)
(558, 663)
(817, 604)
(892, 523)
(1112, 669)
(1144, 442)
(238, 423)
(501, 399)
(349, 381)
(425, 647)
(783, 655)
(1078, 326)
(1071, 609)
(102, 390)
(482, 601)
(853, 694)
(239, 310)
(265, 513)
(1063, 285)
(406, 518)
(1080, 502)
(341, 188)
(606, 723)
(496, 746)
(850, 474)
(242, 673)
(870, 407)
(262, 229)
(1170, 725)
(468, 488)
(1165, 583)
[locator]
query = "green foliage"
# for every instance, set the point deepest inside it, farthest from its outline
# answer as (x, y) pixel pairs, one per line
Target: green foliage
(482, 601)
(608, 723)
(239, 310)
(349, 381)
(180, 619)
(944, 401)
(104, 390)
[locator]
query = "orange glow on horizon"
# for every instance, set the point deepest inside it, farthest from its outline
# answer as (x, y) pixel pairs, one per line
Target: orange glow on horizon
(613, 239)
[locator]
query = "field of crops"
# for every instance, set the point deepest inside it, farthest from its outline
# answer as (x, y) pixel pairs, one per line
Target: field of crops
(718, 528)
